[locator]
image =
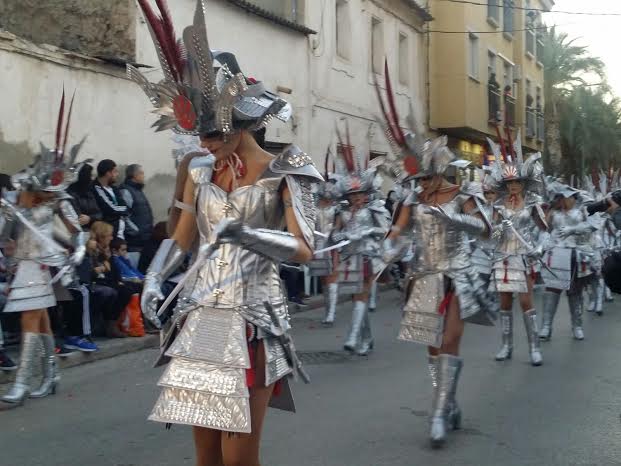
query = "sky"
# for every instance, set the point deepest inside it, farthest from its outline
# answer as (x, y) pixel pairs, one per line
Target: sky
(599, 33)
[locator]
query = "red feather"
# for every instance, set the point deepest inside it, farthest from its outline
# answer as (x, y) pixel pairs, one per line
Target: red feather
(344, 152)
(158, 30)
(67, 124)
(383, 108)
(393, 107)
(503, 149)
(510, 139)
(325, 167)
(172, 43)
(59, 124)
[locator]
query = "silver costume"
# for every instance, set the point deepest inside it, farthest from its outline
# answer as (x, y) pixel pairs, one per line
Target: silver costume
(40, 244)
(233, 303)
(569, 258)
(441, 264)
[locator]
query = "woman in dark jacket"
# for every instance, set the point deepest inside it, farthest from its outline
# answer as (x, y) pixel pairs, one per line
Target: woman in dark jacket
(83, 198)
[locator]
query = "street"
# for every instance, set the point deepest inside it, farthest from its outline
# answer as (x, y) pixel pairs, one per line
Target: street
(369, 411)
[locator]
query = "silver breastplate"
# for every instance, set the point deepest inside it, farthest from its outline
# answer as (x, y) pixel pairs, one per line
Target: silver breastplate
(325, 225)
(524, 224)
(439, 247)
(236, 276)
(356, 222)
(568, 218)
(28, 245)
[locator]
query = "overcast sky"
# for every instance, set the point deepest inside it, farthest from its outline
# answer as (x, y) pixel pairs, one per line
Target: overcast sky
(601, 34)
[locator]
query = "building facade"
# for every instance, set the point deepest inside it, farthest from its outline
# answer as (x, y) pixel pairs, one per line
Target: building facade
(485, 73)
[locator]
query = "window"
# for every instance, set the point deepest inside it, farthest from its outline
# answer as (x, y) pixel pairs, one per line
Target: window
(404, 59)
(377, 45)
(473, 55)
(507, 77)
(531, 117)
(507, 17)
(493, 12)
(530, 22)
(343, 29)
(491, 66)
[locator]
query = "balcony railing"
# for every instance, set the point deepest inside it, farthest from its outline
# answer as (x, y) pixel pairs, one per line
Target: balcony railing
(493, 104)
(531, 123)
(540, 127)
(509, 111)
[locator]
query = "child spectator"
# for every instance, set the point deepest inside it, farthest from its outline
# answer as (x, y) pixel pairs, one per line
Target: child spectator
(122, 267)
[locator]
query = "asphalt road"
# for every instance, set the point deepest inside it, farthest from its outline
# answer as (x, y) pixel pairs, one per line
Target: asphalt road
(357, 411)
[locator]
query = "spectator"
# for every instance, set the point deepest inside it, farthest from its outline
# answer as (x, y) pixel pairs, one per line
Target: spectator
(105, 293)
(83, 196)
(109, 198)
(158, 235)
(6, 364)
(121, 266)
(140, 225)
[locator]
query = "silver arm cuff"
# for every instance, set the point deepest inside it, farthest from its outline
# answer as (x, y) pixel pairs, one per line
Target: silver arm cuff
(468, 223)
(277, 245)
(167, 259)
(79, 246)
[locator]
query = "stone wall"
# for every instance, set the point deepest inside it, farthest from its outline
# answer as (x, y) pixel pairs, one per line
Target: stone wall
(90, 27)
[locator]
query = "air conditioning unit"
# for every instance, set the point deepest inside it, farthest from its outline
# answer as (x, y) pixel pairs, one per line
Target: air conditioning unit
(517, 73)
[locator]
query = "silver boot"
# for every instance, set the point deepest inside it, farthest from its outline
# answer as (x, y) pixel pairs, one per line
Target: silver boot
(373, 297)
(550, 304)
(599, 296)
(506, 325)
(333, 296)
(607, 294)
(449, 368)
(366, 337)
(50, 369)
(575, 310)
(21, 387)
(530, 323)
(357, 318)
(454, 412)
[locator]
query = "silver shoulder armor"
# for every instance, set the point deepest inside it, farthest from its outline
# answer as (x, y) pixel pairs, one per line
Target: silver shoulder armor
(293, 161)
(201, 168)
(304, 207)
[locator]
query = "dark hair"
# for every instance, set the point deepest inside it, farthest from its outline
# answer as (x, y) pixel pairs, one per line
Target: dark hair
(131, 171)
(85, 178)
(160, 232)
(105, 166)
(116, 244)
(5, 182)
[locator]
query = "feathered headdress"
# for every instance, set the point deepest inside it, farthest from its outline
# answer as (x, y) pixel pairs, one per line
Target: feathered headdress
(411, 153)
(196, 96)
(511, 166)
(353, 171)
(53, 169)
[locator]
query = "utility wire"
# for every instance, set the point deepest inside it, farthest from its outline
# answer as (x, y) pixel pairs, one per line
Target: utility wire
(498, 31)
(499, 4)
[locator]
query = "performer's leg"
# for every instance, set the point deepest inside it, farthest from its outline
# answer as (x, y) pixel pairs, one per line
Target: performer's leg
(530, 323)
(352, 343)
(551, 297)
(506, 327)
(243, 449)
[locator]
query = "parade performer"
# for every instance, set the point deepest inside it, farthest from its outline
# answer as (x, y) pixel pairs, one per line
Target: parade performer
(444, 290)
(30, 223)
(483, 248)
(229, 348)
(363, 224)
(519, 218)
(325, 264)
(569, 257)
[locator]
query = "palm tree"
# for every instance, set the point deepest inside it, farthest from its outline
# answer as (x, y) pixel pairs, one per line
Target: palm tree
(565, 66)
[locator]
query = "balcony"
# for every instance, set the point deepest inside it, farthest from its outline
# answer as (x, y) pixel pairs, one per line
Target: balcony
(540, 127)
(507, 18)
(530, 42)
(531, 123)
(493, 105)
(509, 111)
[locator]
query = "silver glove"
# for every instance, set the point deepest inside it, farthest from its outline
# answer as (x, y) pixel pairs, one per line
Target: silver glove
(79, 248)
(168, 258)
(468, 223)
(276, 245)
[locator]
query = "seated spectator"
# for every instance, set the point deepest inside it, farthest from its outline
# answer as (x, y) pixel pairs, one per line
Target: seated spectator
(84, 200)
(106, 294)
(121, 265)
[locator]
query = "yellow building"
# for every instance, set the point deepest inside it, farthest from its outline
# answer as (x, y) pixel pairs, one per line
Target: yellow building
(485, 70)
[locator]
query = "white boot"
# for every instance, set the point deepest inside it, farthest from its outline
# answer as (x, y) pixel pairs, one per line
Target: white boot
(20, 390)
(357, 319)
(506, 325)
(530, 322)
(50, 369)
(366, 337)
(575, 310)
(333, 296)
(373, 297)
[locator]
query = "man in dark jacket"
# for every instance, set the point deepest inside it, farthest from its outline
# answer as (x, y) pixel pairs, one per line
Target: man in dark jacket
(140, 226)
(109, 198)
(84, 200)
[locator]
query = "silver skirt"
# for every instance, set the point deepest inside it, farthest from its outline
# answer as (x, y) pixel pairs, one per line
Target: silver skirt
(205, 382)
(509, 275)
(31, 288)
